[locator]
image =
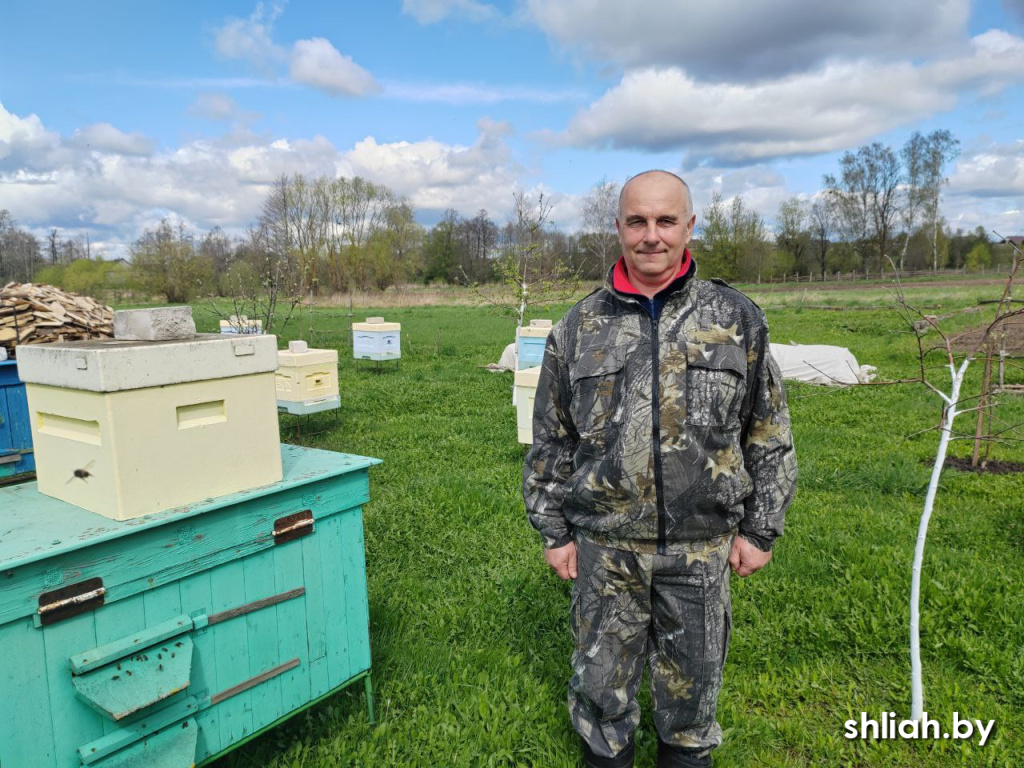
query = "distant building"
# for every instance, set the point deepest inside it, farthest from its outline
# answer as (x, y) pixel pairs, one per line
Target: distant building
(1017, 240)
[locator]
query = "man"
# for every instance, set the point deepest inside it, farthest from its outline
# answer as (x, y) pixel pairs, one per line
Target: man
(662, 455)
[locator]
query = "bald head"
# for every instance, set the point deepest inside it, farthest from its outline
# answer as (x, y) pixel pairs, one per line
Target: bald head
(657, 173)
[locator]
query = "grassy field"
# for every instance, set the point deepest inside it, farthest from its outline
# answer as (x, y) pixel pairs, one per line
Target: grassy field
(469, 629)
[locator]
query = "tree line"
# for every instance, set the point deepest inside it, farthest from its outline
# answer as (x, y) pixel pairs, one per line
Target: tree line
(335, 235)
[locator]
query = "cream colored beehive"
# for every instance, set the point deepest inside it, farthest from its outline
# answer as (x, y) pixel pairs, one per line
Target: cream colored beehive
(305, 374)
(129, 428)
(376, 340)
(526, 391)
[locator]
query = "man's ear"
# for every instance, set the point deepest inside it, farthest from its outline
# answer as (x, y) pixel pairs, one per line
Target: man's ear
(618, 228)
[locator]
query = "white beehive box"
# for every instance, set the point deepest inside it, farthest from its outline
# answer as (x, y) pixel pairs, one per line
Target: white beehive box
(526, 391)
(129, 428)
(376, 340)
(530, 342)
(306, 375)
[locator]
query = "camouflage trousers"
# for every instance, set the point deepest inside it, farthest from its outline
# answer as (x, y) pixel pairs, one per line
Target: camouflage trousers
(672, 610)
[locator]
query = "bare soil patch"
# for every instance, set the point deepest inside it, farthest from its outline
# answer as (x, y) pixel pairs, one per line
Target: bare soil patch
(990, 467)
(1013, 343)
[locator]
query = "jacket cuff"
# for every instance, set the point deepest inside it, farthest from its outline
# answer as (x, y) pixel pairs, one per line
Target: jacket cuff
(554, 542)
(763, 543)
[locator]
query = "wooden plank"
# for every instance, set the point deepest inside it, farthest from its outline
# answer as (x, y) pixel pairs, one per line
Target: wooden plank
(197, 596)
(329, 531)
(291, 626)
(23, 736)
(231, 646)
(357, 610)
(262, 631)
(72, 723)
(255, 605)
(316, 618)
(253, 682)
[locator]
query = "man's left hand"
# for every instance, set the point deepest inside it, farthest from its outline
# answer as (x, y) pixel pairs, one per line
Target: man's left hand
(746, 559)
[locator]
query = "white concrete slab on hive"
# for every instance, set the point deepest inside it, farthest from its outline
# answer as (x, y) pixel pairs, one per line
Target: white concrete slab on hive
(154, 324)
(112, 365)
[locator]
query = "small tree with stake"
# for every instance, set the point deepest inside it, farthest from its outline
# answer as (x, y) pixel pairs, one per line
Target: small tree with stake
(952, 399)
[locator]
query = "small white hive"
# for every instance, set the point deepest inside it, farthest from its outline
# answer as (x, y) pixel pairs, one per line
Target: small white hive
(128, 428)
(530, 342)
(243, 324)
(307, 379)
(526, 391)
(376, 340)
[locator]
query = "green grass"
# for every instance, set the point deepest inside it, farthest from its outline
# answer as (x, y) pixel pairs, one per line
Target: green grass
(469, 629)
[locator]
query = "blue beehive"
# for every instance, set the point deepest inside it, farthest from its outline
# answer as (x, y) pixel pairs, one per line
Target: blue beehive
(169, 639)
(530, 342)
(16, 457)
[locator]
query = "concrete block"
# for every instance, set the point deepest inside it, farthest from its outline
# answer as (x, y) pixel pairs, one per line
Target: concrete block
(155, 324)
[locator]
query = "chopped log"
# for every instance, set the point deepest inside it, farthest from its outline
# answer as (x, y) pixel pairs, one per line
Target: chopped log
(38, 314)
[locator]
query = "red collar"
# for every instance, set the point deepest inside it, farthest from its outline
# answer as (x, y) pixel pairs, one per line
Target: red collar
(622, 283)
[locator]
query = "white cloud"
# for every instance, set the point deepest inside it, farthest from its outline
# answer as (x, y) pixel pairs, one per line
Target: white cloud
(995, 171)
(251, 39)
(219, 107)
(436, 176)
(103, 137)
(750, 39)
(49, 180)
(319, 64)
(432, 11)
(829, 109)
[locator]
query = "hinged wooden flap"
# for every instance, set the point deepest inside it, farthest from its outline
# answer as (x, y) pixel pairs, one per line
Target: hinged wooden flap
(117, 649)
(123, 688)
(143, 728)
(173, 747)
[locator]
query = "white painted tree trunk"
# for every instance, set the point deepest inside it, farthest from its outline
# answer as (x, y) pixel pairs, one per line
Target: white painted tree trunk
(916, 684)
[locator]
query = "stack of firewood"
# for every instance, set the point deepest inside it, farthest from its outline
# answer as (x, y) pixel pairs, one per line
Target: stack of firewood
(36, 314)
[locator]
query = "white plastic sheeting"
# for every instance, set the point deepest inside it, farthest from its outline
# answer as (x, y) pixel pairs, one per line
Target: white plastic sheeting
(821, 364)
(814, 363)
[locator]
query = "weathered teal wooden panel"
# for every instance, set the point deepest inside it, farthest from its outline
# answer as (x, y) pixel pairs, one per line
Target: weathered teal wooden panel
(21, 680)
(291, 625)
(261, 629)
(263, 615)
(232, 649)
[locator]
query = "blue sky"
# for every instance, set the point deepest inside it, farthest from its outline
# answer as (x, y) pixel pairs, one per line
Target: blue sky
(116, 114)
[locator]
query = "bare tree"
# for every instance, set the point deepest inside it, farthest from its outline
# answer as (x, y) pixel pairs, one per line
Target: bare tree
(822, 218)
(600, 210)
(792, 235)
(942, 148)
(529, 274)
(866, 198)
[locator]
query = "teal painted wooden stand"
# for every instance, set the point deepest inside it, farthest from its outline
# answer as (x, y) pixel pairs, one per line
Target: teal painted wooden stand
(171, 639)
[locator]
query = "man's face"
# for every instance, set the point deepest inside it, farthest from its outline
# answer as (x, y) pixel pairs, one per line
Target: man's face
(655, 225)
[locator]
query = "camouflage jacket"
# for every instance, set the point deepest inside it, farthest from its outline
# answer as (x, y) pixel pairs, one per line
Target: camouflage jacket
(654, 436)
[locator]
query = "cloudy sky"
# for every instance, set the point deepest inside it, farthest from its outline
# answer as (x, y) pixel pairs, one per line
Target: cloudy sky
(115, 114)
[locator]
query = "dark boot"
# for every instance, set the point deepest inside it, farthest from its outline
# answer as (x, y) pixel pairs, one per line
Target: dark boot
(622, 760)
(677, 757)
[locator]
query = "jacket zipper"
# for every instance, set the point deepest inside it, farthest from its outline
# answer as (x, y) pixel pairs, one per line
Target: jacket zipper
(659, 491)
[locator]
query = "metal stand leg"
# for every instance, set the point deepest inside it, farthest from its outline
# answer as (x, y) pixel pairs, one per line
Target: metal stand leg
(368, 684)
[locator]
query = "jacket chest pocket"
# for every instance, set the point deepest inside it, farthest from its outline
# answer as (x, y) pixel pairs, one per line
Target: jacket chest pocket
(715, 384)
(598, 380)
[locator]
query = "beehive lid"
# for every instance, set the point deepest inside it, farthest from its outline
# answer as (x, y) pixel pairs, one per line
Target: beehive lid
(528, 377)
(112, 365)
(376, 327)
(537, 329)
(299, 354)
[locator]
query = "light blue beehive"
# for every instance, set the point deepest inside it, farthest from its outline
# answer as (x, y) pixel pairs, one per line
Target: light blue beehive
(17, 459)
(376, 340)
(530, 342)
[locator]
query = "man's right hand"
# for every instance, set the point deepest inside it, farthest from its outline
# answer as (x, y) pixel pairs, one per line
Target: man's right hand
(563, 561)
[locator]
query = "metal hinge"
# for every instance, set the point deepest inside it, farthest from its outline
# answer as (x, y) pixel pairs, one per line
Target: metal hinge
(293, 526)
(70, 601)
